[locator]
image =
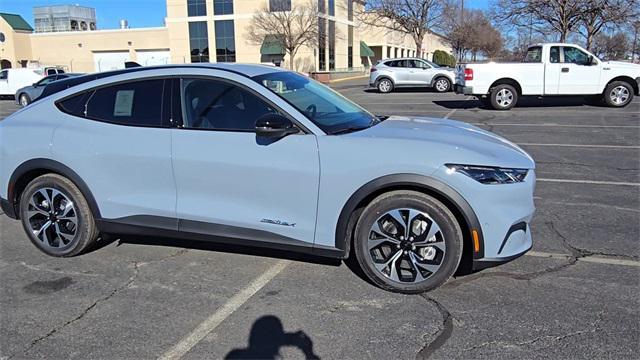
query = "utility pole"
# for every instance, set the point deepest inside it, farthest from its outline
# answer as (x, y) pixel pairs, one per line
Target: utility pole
(460, 24)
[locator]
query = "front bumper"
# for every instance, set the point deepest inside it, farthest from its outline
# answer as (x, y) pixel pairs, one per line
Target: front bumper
(460, 89)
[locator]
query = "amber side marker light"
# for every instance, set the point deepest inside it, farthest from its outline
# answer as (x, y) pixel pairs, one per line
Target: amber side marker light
(476, 241)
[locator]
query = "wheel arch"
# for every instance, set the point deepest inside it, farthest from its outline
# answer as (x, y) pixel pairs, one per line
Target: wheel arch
(388, 77)
(507, 81)
(31, 169)
(463, 212)
(628, 79)
(441, 75)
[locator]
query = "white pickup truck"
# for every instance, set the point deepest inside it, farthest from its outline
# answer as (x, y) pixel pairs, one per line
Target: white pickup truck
(550, 70)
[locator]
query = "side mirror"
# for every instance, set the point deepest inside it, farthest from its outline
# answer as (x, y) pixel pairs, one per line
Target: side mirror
(274, 126)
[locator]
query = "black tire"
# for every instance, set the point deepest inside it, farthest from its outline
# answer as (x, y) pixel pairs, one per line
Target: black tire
(84, 231)
(441, 89)
(450, 230)
(385, 85)
(626, 92)
(503, 97)
(24, 99)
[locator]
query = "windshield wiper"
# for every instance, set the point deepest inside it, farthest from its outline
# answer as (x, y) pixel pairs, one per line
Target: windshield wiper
(382, 117)
(348, 130)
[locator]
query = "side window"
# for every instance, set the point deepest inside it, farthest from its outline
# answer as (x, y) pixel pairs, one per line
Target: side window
(575, 56)
(46, 80)
(422, 64)
(554, 54)
(534, 54)
(51, 71)
(75, 105)
(135, 103)
(4, 75)
(391, 63)
(218, 105)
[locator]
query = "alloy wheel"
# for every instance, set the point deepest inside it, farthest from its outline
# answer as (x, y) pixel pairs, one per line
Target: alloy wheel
(504, 97)
(406, 245)
(23, 100)
(52, 218)
(619, 95)
(442, 85)
(385, 86)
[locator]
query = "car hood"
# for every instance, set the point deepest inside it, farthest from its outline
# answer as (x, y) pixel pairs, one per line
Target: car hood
(457, 141)
(623, 65)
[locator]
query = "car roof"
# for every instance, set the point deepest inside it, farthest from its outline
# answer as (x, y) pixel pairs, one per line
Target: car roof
(248, 70)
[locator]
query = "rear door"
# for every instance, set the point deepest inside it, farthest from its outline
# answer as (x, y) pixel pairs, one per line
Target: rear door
(577, 75)
(117, 140)
(232, 183)
(552, 70)
(422, 72)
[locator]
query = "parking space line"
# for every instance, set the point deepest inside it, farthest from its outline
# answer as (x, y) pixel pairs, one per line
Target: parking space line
(592, 182)
(591, 259)
(454, 110)
(585, 146)
(233, 304)
(562, 125)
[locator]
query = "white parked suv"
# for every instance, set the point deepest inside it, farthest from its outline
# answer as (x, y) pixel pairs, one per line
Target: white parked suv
(549, 70)
(410, 72)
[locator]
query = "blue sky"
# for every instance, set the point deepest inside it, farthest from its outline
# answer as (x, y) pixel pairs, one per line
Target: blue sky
(140, 13)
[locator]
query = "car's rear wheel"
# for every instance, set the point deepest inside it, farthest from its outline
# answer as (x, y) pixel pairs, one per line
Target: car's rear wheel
(409, 242)
(503, 97)
(385, 85)
(56, 216)
(442, 84)
(24, 99)
(618, 94)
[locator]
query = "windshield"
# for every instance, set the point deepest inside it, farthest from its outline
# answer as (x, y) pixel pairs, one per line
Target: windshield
(329, 110)
(432, 63)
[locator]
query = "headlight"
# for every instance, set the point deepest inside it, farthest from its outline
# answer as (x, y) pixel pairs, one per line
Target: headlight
(489, 175)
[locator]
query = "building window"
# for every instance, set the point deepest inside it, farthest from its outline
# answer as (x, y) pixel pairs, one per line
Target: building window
(222, 7)
(322, 43)
(196, 8)
(225, 41)
(332, 7)
(350, 48)
(388, 52)
(350, 10)
(279, 5)
(321, 7)
(332, 45)
(395, 52)
(199, 41)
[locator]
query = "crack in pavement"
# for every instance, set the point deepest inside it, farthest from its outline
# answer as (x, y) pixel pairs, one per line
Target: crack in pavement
(580, 252)
(442, 335)
(587, 165)
(136, 270)
(593, 327)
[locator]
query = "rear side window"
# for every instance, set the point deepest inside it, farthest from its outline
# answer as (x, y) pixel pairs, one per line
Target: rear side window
(534, 54)
(75, 104)
(554, 54)
(135, 103)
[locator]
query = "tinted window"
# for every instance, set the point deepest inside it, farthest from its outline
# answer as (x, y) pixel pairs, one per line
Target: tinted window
(222, 7)
(135, 103)
(534, 54)
(4, 75)
(218, 105)
(554, 54)
(47, 80)
(225, 41)
(196, 8)
(199, 41)
(575, 56)
(75, 105)
(51, 71)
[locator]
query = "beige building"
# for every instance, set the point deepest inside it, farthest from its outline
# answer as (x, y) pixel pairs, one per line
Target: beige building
(209, 31)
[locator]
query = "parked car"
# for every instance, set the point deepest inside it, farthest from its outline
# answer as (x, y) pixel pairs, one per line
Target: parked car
(550, 69)
(13, 79)
(27, 94)
(232, 153)
(410, 72)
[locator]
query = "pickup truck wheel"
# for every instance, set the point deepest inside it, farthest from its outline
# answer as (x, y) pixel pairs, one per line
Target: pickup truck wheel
(385, 86)
(442, 84)
(503, 97)
(618, 94)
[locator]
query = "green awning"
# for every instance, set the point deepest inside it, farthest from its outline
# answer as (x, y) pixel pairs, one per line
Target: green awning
(365, 50)
(272, 45)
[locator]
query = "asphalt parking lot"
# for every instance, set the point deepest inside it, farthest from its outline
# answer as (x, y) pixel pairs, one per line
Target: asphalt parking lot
(575, 295)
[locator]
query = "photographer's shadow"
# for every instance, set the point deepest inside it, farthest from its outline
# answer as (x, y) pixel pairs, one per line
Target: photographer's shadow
(266, 338)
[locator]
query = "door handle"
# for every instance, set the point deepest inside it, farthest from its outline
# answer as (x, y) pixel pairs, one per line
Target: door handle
(565, 69)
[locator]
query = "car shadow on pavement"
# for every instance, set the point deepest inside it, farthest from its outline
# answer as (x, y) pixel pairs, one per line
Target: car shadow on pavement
(525, 102)
(267, 336)
(404, 90)
(223, 248)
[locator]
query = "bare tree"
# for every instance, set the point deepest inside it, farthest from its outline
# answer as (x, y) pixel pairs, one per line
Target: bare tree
(293, 26)
(598, 14)
(612, 47)
(414, 17)
(475, 35)
(561, 16)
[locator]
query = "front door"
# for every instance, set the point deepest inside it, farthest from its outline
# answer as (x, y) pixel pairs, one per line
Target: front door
(233, 183)
(578, 75)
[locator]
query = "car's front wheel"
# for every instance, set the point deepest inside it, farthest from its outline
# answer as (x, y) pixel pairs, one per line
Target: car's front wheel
(409, 242)
(618, 94)
(24, 99)
(385, 86)
(56, 216)
(442, 84)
